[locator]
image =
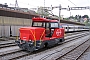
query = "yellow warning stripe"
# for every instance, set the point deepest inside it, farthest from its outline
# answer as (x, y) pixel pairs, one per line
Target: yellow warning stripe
(42, 34)
(34, 37)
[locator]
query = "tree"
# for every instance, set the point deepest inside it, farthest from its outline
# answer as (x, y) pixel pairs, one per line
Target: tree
(42, 11)
(85, 16)
(71, 17)
(79, 16)
(76, 17)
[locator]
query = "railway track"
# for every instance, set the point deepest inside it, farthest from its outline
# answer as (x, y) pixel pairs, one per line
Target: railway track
(86, 55)
(13, 38)
(6, 43)
(74, 33)
(5, 38)
(72, 52)
(12, 43)
(18, 53)
(75, 53)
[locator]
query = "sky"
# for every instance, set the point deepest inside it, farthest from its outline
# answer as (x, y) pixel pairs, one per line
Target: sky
(47, 3)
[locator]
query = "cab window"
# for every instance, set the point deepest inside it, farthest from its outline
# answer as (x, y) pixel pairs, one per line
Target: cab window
(54, 25)
(38, 24)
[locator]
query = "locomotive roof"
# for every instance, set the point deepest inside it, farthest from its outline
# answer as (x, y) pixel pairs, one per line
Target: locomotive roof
(40, 19)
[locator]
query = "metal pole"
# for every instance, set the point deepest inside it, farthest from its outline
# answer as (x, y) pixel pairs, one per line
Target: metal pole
(51, 8)
(44, 3)
(43, 9)
(70, 13)
(16, 5)
(59, 12)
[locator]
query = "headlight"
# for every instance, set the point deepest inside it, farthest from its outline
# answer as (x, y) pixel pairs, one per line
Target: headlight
(19, 38)
(30, 40)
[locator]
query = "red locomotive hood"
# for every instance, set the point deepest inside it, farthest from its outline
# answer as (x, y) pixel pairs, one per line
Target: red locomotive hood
(31, 33)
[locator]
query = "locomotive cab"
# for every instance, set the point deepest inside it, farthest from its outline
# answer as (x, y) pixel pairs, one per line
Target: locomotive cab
(43, 33)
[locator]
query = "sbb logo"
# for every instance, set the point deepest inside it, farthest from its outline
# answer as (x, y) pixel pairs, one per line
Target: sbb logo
(58, 32)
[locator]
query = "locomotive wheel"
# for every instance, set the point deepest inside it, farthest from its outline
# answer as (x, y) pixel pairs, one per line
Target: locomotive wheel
(45, 45)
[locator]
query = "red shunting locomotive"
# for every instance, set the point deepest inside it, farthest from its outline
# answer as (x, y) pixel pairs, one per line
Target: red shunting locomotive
(43, 33)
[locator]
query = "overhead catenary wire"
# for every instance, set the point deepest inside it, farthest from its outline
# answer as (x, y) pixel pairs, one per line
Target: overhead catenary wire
(72, 2)
(61, 2)
(27, 4)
